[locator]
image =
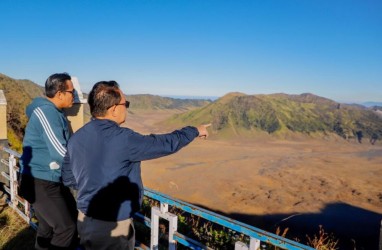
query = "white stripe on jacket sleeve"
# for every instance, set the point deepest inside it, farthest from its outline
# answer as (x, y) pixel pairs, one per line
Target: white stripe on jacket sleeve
(48, 130)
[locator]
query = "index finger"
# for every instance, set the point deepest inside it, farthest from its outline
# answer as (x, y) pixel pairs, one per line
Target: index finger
(207, 125)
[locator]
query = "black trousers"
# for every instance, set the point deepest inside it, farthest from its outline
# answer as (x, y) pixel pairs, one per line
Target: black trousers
(55, 209)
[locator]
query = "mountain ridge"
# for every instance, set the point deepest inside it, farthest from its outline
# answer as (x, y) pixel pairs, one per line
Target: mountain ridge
(233, 114)
(277, 114)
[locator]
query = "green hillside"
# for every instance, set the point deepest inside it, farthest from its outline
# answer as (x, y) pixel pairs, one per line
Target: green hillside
(19, 93)
(240, 114)
(232, 115)
(153, 102)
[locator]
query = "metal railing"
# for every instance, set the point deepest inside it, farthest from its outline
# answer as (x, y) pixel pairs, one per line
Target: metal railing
(256, 235)
(20, 205)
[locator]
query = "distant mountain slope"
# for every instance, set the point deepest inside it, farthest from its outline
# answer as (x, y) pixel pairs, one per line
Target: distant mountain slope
(371, 104)
(153, 102)
(237, 113)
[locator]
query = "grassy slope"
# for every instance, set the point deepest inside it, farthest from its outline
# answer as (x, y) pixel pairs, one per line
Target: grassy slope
(19, 93)
(232, 115)
(152, 102)
(278, 114)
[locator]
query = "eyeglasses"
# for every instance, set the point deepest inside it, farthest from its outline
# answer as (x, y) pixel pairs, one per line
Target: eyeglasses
(126, 104)
(71, 92)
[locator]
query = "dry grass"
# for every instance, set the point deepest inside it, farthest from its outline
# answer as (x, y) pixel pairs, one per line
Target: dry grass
(15, 233)
(323, 241)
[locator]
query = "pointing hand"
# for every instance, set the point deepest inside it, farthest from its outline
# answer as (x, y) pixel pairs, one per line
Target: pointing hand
(203, 133)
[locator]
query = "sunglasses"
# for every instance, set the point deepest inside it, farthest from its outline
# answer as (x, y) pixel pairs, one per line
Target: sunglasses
(126, 104)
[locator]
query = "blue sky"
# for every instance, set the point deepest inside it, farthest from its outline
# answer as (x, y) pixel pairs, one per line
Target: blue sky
(200, 47)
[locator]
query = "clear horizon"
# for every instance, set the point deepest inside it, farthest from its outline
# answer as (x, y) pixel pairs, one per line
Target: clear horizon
(200, 48)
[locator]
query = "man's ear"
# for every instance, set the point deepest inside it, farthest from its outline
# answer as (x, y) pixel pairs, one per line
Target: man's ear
(59, 95)
(113, 112)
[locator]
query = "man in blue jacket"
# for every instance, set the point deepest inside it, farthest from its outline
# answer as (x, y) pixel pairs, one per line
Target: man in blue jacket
(44, 147)
(103, 163)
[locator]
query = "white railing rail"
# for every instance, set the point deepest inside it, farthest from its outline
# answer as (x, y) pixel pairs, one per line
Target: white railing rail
(257, 237)
(20, 205)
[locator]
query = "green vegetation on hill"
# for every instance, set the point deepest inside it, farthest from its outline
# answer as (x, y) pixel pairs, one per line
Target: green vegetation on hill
(153, 102)
(19, 93)
(237, 113)
(232, 114)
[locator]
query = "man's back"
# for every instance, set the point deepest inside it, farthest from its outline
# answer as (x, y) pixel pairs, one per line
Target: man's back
(105, 161)
(44, 144)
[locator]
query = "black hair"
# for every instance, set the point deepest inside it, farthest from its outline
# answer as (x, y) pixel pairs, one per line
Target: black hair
(56, 83)
(103, 95)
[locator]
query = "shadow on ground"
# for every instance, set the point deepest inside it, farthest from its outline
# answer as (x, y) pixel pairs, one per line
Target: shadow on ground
(23, 240)
(356, 228)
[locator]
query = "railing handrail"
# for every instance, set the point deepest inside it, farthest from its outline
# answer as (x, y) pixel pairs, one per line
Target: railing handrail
(256, 235)
(235, 225)
(12, 176)
(11, 152)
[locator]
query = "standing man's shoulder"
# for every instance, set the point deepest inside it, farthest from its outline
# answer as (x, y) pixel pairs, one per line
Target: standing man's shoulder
(42, 106)
(45, 113)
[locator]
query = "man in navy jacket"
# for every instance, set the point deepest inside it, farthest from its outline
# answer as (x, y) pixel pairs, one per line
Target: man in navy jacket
(103, 163)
